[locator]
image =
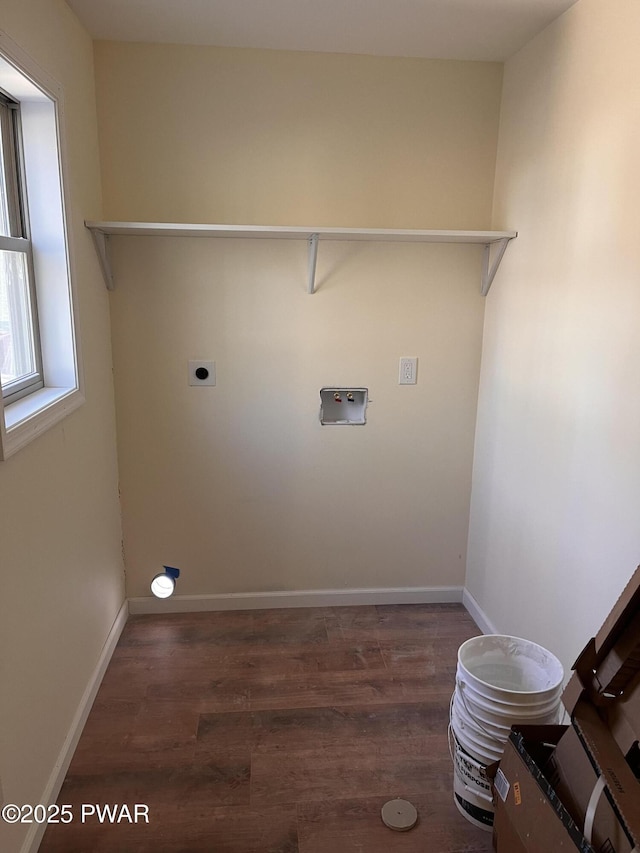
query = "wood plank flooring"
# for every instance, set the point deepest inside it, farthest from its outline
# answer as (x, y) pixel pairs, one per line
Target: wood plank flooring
(275, 731)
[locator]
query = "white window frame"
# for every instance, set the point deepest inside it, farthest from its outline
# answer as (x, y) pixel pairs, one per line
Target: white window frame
(42, 114)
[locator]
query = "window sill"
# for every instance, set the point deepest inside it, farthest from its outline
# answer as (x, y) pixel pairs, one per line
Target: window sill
(29, 417)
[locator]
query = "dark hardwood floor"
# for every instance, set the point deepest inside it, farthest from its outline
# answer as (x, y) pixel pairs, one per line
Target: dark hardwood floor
(274, 731)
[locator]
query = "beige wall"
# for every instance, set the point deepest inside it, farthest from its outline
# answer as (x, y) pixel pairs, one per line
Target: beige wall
(239, 485)
(554, 531)
(198, 134)
(60, 560)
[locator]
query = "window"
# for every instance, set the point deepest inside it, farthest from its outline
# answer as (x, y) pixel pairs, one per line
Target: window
(39, 366)
(20, 360)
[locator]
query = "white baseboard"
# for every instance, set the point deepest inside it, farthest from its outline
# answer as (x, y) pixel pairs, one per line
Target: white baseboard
(477, 613)
(296, 598)
(53, 786)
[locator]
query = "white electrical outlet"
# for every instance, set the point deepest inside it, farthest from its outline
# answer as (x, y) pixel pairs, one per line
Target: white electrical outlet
(202, 373)
(408, 371)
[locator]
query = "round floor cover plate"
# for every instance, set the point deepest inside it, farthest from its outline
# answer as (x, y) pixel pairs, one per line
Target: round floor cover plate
(399, 815)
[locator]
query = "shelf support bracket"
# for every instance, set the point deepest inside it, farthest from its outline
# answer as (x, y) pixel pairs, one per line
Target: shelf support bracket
(101, 242)
(489, 269)
(313, 257)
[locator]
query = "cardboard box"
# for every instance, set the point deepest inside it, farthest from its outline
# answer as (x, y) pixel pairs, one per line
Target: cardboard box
(577, 787)
(529, 816)
(574, 779)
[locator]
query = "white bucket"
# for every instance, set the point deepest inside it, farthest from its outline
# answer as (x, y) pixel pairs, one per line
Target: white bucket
(483, 720)
(474, 741)
(471, 786)
(481, 704)
(500, 681)
(496, 721)
(508, 669)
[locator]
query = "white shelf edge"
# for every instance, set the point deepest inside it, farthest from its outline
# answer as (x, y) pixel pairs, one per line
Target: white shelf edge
(102, 230)
(295, 232)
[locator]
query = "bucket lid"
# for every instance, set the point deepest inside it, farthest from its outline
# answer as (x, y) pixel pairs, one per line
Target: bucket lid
(399, 815)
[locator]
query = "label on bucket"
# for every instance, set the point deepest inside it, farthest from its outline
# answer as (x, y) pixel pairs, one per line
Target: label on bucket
(501, 784)
(470, 770)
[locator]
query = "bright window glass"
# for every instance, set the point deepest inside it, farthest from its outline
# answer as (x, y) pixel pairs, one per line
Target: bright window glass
(18, 359)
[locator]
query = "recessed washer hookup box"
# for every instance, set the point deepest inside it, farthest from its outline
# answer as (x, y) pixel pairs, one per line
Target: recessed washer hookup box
(577, 787)
(343, 406)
